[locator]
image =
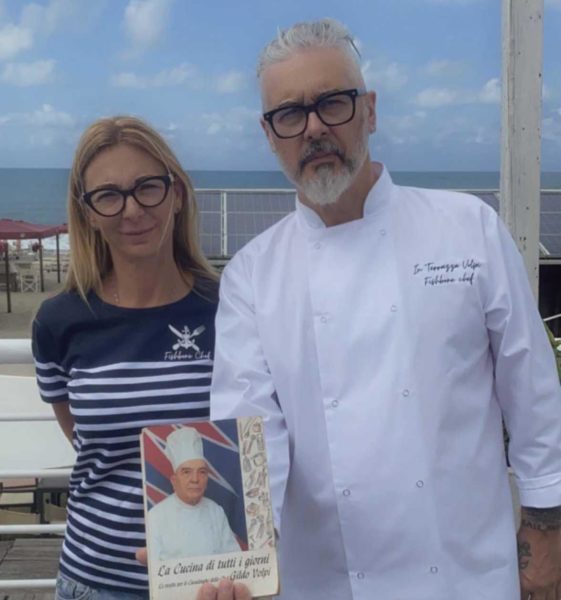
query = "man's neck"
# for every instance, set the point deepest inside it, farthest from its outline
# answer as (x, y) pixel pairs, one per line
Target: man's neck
(350, 205)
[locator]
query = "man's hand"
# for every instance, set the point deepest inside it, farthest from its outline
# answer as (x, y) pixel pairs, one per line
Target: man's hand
(226, 590)
(539, 553)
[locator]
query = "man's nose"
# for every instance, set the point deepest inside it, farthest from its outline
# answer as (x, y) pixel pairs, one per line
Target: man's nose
(315, 127)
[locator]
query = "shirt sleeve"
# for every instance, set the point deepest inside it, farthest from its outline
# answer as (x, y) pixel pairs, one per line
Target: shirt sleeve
(51, 376)
(242, 384)
(526, 380)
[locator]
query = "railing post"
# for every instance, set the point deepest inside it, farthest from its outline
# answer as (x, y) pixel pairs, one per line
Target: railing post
(224, 223)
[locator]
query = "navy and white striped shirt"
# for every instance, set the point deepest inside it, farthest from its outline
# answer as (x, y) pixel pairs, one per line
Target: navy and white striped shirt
(120, 369)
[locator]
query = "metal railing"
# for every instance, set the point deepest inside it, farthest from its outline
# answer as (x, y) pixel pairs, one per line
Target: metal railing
(232, 217)
(19, 352)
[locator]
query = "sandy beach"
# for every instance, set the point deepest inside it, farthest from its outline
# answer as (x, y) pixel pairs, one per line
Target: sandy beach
(17, 324)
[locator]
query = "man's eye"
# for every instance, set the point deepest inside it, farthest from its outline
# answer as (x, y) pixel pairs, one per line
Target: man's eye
(289, 114)
(334, 102)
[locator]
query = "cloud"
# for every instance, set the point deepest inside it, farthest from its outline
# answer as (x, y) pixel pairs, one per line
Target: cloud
(388, 76)
(443, 67)
(45, 19)
(551, 129)
(174, 76)
(237, 120)
(490, 93)
(437, 97)
(43, 128)
(231, 82)
(483, 136)
(39, 72)
(13, 40)
(454, 2)
(404, 129)
(39, 20)
(145, 22)
(46, 116)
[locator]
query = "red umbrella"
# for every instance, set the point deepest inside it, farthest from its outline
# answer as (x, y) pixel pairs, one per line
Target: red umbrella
(22, 230)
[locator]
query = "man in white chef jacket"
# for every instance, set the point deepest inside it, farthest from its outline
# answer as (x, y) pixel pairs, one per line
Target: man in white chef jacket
(187, 523)
(383, 332)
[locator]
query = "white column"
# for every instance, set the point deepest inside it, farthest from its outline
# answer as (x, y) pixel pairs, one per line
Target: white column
(521, 127)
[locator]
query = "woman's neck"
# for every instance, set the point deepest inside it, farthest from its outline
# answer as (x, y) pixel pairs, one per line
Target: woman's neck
(146, 284)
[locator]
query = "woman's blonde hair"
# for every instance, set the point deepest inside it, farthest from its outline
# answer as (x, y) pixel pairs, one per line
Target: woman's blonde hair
(90, 258)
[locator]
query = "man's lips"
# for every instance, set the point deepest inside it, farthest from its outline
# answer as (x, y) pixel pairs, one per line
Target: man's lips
(320, 156)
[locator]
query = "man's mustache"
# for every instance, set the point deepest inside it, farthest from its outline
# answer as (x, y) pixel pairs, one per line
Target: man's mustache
(319, 148)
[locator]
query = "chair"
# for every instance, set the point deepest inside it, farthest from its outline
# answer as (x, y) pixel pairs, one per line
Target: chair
(28, 277)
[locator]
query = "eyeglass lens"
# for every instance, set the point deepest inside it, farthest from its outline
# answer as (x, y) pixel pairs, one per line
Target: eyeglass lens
(149, 192)
(333, 110)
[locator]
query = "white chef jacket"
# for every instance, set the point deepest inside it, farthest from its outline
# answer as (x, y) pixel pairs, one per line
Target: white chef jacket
(382, 353)
(179, 530)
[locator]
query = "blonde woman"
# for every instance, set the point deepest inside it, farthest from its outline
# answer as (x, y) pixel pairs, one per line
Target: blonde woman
(128, 343)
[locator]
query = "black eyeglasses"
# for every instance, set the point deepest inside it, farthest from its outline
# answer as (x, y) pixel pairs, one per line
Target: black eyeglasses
(332, 109)
(148, 192)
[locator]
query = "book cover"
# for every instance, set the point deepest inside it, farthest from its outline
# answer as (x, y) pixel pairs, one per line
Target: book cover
(207, 507)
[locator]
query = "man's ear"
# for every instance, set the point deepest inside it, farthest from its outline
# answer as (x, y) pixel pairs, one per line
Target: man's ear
(269, 134)
(371, 107)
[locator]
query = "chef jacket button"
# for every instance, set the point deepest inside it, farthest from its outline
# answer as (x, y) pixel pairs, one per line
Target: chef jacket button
(420, 483)
(324, 318)
(434, 570)
(346, 493)
(394, 308)
(317, 245)
(335, 403)
(405, 393)
(382, 232)
(360, 575)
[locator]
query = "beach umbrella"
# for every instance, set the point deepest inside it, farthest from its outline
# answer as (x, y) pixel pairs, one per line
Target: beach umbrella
(22, 230)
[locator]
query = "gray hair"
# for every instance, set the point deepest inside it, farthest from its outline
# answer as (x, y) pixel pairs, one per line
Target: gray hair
(326, 33)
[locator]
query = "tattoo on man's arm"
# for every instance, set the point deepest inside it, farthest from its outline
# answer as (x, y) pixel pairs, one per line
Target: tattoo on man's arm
(541, 519)
(524, 555)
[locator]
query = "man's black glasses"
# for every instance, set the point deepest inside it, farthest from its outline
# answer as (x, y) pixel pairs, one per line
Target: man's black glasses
(336, 108)
(148, 192)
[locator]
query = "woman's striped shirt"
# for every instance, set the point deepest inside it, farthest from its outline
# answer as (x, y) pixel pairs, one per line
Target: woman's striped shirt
(120, 369)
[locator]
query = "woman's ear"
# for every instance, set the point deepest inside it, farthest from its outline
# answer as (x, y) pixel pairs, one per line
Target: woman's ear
(177, 196)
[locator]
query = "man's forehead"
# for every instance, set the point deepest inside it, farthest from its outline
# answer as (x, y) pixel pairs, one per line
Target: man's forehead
(307, 74)
(192, 465)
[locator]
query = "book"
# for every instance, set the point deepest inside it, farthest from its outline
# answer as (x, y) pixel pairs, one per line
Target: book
(207, 507)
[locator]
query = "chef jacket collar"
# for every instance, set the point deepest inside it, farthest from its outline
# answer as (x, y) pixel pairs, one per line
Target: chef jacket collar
(378, 196)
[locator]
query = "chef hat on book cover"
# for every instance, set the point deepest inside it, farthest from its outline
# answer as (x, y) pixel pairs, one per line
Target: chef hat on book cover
(184, 444)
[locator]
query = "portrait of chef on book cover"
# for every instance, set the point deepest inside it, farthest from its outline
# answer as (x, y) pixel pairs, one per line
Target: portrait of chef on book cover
(207, 507)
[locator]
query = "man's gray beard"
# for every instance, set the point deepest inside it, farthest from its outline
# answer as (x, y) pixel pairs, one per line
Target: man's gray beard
(327, 186)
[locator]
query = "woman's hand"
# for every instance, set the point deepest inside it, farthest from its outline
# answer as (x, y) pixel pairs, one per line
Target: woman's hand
(226, 590)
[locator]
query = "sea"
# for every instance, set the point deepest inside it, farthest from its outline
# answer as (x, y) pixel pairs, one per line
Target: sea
(39, 195)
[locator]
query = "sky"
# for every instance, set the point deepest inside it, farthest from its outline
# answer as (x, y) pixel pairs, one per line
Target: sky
(188, 68)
